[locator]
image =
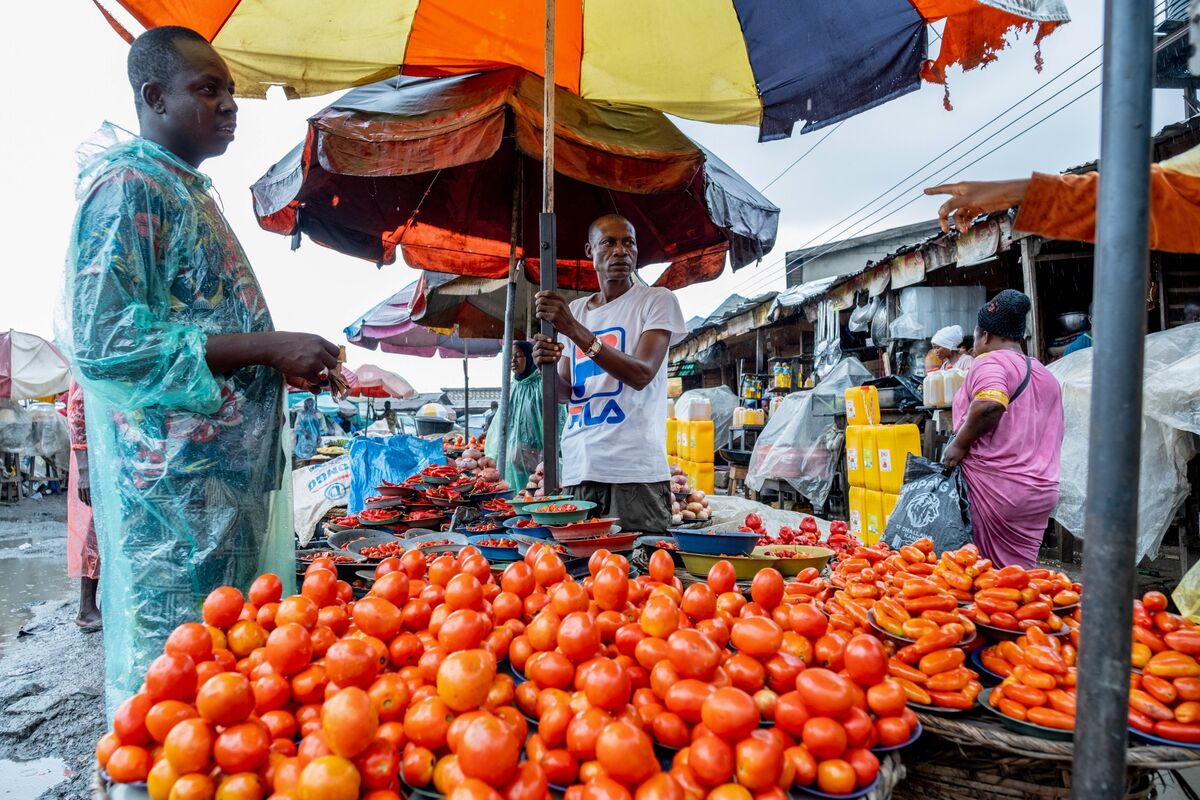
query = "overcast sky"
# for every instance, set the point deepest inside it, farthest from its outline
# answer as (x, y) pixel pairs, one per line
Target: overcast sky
(66, 72)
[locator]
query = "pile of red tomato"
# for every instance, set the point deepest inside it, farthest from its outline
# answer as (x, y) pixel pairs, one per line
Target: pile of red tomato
(639, 688)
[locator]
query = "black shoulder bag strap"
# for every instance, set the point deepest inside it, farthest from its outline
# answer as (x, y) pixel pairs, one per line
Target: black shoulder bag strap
(1025, 382)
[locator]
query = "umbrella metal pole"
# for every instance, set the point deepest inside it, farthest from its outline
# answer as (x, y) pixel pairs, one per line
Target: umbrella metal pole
(548, 254)
(1122, 243)
(510, 301)
(466, 388)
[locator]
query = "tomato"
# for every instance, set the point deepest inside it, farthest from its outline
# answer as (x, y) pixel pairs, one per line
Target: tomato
(225, 699)
(416, 766)
(626, 753)
(865, 659)
(686, 698)
(887, 699)
(825, 693)
(759, 763)
(711, 759)
(550, 669)
(489, 751)
(351, 662)
(660, 616)
(465, 678)
(836, 776)
(583, 731)
(329, 778)
(824, 738)
(722, 577)
(320, 586)
(188, 746)
(692, 653)
(803, 765)
(427, 721)
(859, 727)
(129, 764)
(242, 748)
(744, 672)
(190, 639)
(758, 637)
(222, 606)
(660, 787)
(561, 767)
(730, 713)
(578, 637)
(606, 684)
(767, 588)
(829, 651)
(892, 731)
(669, 729)
(129, 723)
(699, 601)
(463, 629)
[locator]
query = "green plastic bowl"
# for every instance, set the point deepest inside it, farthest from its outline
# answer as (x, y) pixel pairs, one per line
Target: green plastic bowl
(550, 518)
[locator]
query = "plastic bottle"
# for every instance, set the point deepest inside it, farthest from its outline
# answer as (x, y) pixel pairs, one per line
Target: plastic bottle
(932, 389)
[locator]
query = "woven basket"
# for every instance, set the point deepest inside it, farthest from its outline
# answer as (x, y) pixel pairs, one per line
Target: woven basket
(942, 770)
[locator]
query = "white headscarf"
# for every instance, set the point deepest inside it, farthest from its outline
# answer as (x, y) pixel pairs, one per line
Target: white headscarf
(949, 337)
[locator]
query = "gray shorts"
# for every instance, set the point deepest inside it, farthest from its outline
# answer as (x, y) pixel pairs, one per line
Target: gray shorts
(641, 507)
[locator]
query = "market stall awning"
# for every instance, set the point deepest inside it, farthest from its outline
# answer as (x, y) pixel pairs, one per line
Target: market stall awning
(30, 367)
(433, 167)
(474, 306)
(389, 327)
(749, 62)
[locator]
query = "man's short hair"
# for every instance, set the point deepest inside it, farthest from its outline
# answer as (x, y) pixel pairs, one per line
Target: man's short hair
(594, 228)
(154, 57)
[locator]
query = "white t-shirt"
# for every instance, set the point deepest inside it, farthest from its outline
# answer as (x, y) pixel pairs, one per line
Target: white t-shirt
(615, 433)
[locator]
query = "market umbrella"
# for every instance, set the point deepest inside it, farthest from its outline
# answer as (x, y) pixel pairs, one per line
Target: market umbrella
(31, 367)
(435, 167)
(728, 61)
(389, 327)
(372, 381)
(475, 306)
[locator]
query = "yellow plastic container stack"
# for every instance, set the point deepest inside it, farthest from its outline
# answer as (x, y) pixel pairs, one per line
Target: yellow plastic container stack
(858, 511)
(854, 454)
(889, 505)
(893, 445)
(862, 405)
(702, 441)
(870, 458)
(683, 429)
(672, 436)
(874, 523)
(705, 478)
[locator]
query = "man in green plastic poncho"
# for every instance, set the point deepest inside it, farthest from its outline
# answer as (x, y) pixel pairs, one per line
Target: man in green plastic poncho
(525, 441)
(169, 336)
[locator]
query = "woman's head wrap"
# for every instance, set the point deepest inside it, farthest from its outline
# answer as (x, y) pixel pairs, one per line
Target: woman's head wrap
(1004, 315)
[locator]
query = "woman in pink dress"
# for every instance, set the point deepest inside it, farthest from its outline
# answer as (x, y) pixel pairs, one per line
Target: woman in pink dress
(83, 554)
(1009, 421)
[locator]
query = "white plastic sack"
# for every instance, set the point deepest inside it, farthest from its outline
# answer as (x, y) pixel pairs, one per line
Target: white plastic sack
(723, 402)
(315, 490)
(926, 309)
(49, 436)
(16, 428)
(800, 447)
(1171, 409)
(729, 513)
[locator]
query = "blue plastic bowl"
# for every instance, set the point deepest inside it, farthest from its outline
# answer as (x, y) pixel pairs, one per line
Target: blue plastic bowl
(715, 543)
(540, 532)
(494, 553)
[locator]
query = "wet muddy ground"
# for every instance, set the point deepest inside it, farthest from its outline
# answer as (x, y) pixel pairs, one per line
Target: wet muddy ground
(51, 673)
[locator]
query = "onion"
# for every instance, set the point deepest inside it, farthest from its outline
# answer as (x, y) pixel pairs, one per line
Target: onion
(696, 496)
(703, 515)
(675, 509)
(695, 508)
(490, 475)
(678, 518)
(688, 515)
(467, 464)
(486, 461)
(471, 452)
(676, 469)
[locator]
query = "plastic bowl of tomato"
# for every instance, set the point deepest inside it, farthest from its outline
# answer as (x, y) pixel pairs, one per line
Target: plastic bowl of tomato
(495, 546)
(522, 503)
(584, 529)
(379, 516)
(527, 527)
(560, 513)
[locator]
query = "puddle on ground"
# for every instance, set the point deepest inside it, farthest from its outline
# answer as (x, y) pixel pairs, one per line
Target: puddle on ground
(25, 580)
(26, 779)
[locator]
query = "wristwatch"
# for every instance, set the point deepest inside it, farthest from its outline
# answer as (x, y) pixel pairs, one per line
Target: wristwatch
(594, 348)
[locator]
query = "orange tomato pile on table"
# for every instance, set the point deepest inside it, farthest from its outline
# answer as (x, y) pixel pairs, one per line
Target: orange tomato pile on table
(1039, 679)
(1164, 698)
(319, 696)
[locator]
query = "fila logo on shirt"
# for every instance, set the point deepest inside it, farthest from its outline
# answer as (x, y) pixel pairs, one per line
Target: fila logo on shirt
(586, 378)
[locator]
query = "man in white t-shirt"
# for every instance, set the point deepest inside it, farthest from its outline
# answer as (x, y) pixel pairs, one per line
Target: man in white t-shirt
(614, 382)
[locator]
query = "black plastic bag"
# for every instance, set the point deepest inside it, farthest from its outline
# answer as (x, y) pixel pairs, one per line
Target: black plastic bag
(931, 504)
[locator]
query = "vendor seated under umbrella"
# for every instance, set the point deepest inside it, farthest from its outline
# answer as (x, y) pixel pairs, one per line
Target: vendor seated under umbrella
(614, 380)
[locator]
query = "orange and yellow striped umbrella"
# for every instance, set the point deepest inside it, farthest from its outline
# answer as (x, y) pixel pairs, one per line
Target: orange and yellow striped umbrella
(760, 62)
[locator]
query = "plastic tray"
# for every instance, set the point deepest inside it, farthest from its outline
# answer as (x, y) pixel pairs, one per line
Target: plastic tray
(1150, 738)
(521, 505)
(582, 507)
(916, 734)
(585, 530)
(808, 791)
(986, 676)
(723, 543)
(582, 548)
(540, 532)
(495, 553)
(812, 556)
(1027, 728)
(744, 567)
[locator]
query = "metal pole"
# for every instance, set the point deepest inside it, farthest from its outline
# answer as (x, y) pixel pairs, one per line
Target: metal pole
(466, 387)
(510, 301)
(1122, 244)
(549, 255)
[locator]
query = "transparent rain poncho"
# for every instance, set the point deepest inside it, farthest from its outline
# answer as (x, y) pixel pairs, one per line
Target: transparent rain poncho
(188, 469)
(525, 441)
